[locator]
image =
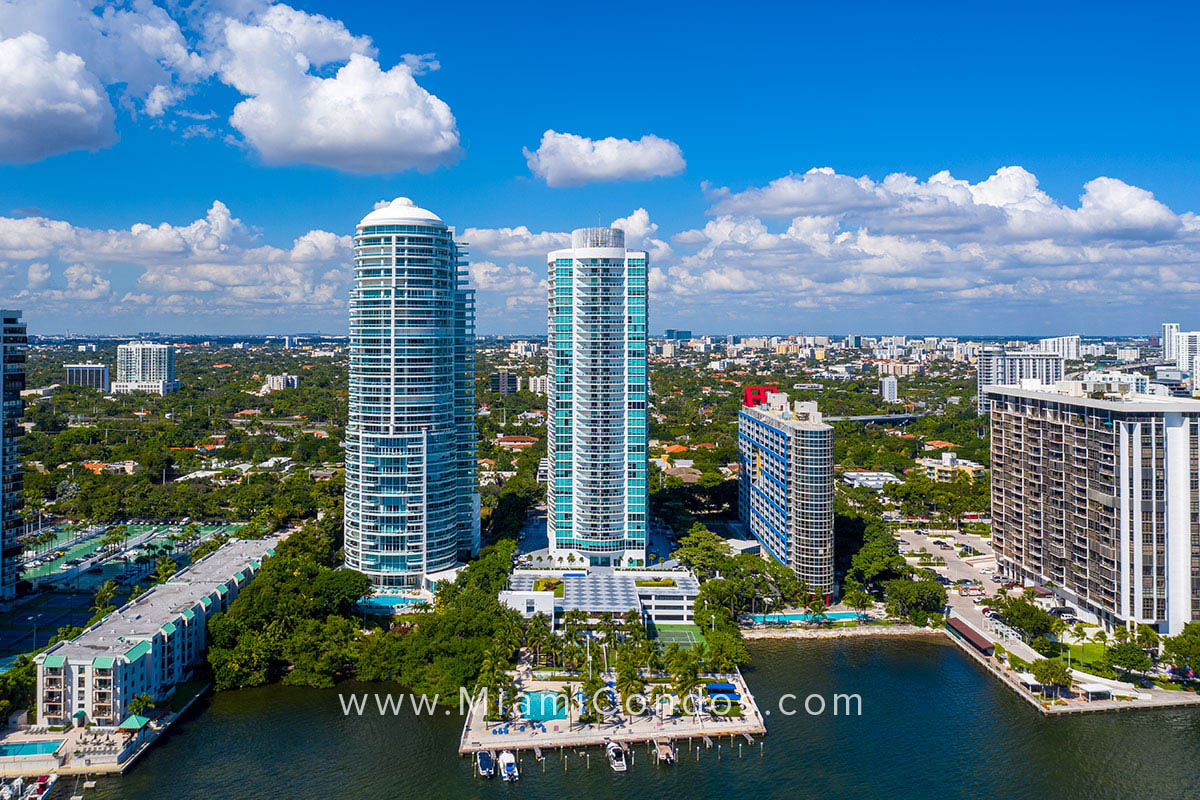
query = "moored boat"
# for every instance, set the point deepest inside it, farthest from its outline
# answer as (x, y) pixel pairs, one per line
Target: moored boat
(508, 766)
(485, 764)
(616, 757)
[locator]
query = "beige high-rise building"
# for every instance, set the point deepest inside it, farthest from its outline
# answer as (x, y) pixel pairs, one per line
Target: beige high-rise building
(1094, 490)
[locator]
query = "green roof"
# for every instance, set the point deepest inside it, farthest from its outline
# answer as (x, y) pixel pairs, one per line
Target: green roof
(188, 614)
(80, 713)
(206, 601)
(137, 651)
(102, 662)
(134, 722)
(222, 589)
(255, 564)
(270, 551)
(54, 662)
(169, 628)
(241, 576)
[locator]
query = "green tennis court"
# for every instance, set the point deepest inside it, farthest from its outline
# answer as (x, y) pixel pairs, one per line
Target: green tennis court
(676, 634)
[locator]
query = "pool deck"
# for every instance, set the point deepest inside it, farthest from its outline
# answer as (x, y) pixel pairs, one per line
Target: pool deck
(479, 734)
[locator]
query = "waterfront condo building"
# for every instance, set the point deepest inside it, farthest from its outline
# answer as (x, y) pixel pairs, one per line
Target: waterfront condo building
(412, 509)
(145, 367)
(997, 366)
(596, 403)
(785, 485)
(1094, 491)
(93, 376)
(148, 646)
(13, 345)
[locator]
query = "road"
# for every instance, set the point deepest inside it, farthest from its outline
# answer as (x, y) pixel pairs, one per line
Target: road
(956, 569)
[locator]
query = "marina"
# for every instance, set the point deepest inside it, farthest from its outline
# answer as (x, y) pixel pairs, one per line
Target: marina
(546, 723)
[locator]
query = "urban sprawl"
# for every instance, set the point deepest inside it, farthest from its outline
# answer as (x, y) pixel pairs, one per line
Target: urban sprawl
(585, 517)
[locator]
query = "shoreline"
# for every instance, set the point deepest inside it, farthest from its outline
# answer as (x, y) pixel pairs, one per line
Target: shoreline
(836, 633)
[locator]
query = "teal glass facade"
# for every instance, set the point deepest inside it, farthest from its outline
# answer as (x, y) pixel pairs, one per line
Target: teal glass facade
(596, 497)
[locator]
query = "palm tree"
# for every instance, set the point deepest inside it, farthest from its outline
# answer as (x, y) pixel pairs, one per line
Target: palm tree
(858, 600)
(568, 699)
(629, 682)
(537, 635)
(658, 693)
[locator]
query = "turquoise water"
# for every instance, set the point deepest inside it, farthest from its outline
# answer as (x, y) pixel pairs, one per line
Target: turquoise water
(542, 706)
(29, 748)
(387, 604)
(934, 724)
(834, 615)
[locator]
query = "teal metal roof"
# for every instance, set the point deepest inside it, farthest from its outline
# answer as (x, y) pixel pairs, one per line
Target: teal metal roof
(169, 628)
(241, 576)
(222, 589)
(137, 651)
(54, 662)
(134, 723)
(102, 662)
(188, 614)
(206, 601)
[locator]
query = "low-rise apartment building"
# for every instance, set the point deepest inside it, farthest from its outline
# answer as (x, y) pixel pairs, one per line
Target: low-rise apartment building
(148, 646)
(949, 466)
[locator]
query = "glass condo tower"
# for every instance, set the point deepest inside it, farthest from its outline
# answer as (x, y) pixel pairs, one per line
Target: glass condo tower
(412, 509)
(596, 497)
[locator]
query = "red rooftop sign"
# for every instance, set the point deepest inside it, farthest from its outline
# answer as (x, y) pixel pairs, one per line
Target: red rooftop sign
(757, 395)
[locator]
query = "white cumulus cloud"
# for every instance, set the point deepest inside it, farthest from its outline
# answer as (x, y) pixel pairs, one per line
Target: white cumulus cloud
(361, 119)
(49, 102)
(566, 159)
(212, 265)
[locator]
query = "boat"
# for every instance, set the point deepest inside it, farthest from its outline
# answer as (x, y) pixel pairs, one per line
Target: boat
(616, 756)
(485, 764)
(40, 787)
(508, 766)
(664, 753)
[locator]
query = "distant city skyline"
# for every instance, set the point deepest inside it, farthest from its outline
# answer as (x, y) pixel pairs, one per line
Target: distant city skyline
(191, 169)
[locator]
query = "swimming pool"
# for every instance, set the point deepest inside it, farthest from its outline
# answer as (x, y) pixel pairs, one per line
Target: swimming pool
(542, 706)
(831, 615)
(388, 603)
(29, 748)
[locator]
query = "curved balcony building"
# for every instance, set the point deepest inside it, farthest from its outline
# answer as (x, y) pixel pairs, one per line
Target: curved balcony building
(412, 508)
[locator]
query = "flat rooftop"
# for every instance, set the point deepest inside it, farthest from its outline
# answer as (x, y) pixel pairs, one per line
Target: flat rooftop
(1130, 403)
(140, 619)
(606, 589)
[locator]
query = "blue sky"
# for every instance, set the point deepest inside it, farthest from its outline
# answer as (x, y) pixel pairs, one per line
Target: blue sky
(1084, 117)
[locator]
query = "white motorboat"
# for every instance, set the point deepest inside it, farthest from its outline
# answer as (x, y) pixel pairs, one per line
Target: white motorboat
(508, 766)
(616, 757)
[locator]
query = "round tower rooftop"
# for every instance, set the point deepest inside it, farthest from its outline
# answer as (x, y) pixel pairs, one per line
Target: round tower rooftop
(400, 210)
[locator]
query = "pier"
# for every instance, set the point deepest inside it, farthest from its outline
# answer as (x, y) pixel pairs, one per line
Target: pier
(659, 724)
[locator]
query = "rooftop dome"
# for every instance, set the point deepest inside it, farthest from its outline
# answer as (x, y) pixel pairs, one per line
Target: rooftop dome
(398, 211)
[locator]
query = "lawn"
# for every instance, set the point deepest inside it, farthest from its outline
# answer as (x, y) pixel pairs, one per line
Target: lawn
(1088, 657)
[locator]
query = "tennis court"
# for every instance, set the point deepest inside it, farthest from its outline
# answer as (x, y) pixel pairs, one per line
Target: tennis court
(676, 634)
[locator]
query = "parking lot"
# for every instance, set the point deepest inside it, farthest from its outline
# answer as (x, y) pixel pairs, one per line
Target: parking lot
(980, 568)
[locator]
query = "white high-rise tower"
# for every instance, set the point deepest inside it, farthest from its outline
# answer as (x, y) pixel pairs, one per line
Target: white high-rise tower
(412, 508)
(596, 498)
(1170, 341)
